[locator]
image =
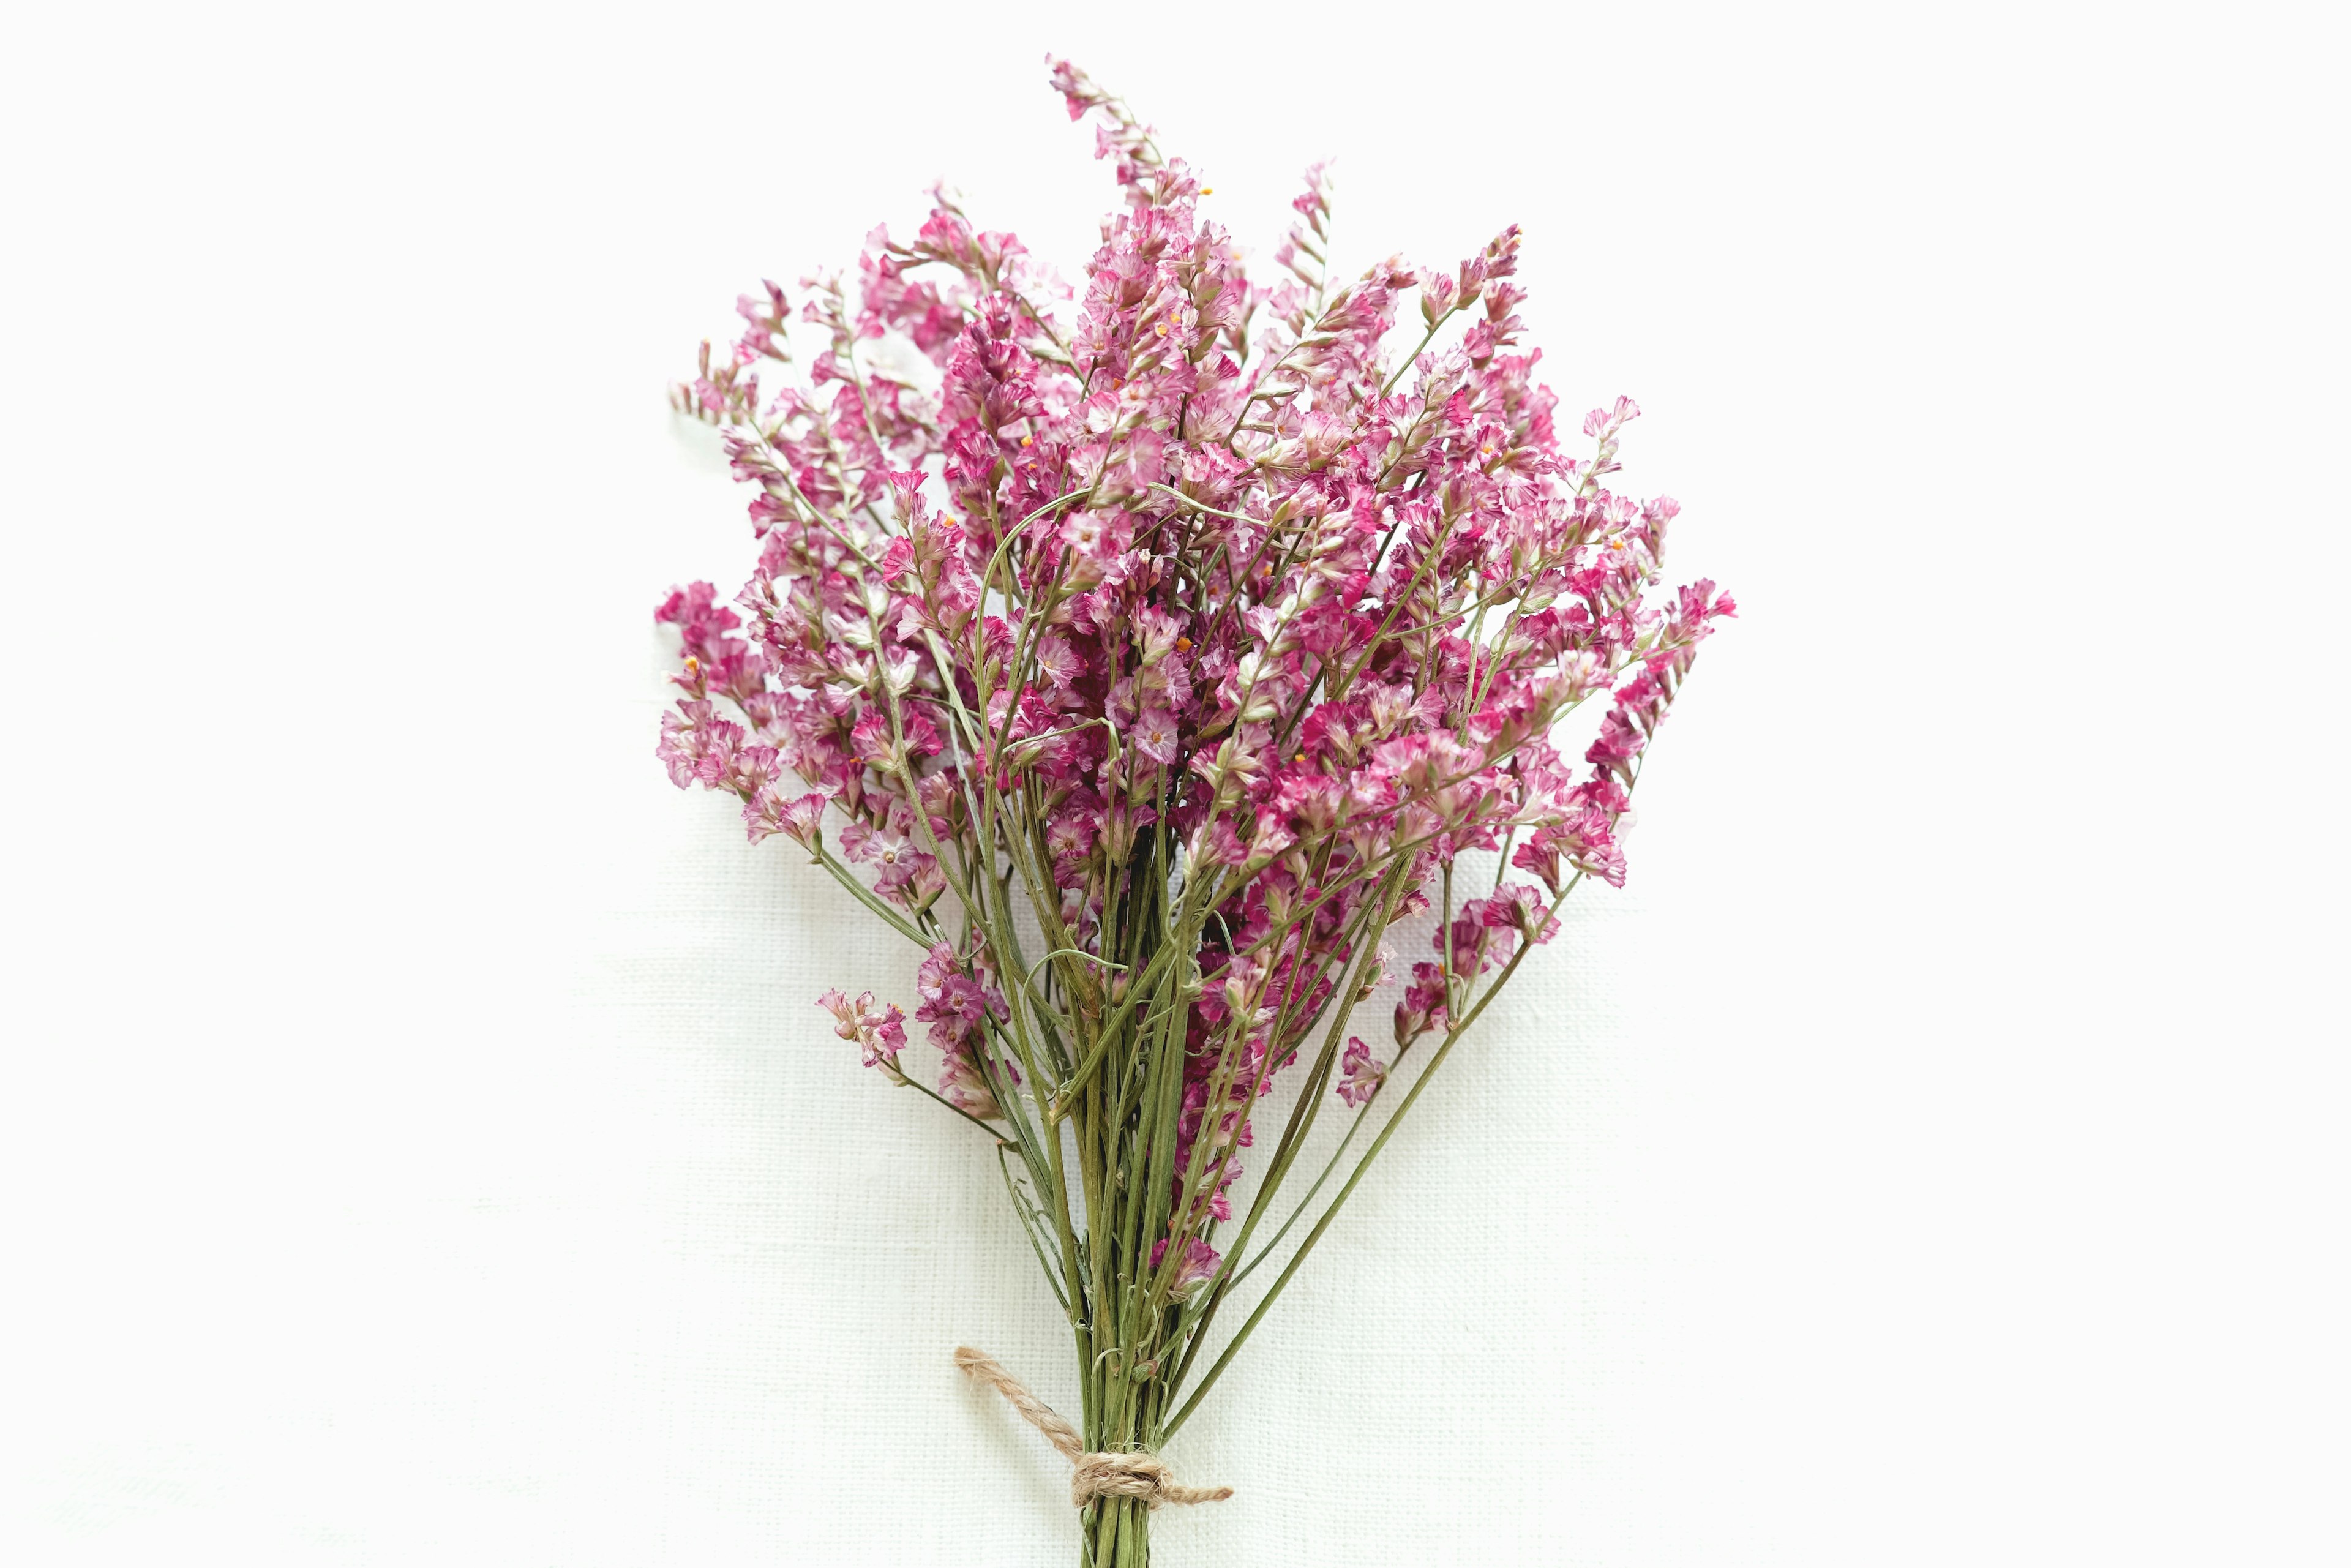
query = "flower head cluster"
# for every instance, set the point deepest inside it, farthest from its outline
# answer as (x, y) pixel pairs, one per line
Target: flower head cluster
(1151, 646)
(880, 1030)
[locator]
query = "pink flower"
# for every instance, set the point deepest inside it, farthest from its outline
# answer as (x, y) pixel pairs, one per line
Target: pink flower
(1519, 908)
(954, 1003)
(1056, 660)
(878, 1031)
(1424, 1006)
(769, 812)
(1607, 421)
(1095, 535)
(964, 1084)
(702, 622)
(1474, 944)
(1156, 736)
(1360, 1076)
(1199, 1265)
(681, 747)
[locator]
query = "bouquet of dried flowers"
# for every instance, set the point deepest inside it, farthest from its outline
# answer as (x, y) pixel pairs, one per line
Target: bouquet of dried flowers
(1146, 653)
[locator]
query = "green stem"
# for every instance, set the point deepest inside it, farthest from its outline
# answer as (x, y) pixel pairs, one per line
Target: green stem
(1282, 1280)
(864, 895)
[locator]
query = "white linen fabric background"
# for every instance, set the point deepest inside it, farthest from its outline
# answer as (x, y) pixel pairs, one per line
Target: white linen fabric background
(420, 1142)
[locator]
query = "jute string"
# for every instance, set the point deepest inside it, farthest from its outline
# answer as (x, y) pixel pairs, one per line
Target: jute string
(1093, 1475)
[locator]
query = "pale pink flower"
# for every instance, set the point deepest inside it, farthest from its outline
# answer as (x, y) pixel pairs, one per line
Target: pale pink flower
(1199, 1266)
(1360, 1076)
(1156, 736)
(878, 1031)
(965, 1085)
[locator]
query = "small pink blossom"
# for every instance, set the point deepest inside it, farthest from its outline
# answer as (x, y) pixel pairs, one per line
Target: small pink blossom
(796, 817)
(1199, 1266)
(965, 1085)
(1360, 1076)
(878, 1031)
(1424, 1006)
(1156, 736)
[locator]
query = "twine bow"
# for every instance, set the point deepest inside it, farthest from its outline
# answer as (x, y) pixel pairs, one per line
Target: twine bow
(1092, 1475)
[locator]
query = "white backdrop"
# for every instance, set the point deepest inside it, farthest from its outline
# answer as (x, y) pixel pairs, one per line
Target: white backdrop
(420, 1145)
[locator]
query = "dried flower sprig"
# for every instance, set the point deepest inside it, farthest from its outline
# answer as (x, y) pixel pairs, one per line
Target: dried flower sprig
(1145, 653)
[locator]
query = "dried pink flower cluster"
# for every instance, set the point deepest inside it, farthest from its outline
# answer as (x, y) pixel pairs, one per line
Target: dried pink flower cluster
(1178, 626)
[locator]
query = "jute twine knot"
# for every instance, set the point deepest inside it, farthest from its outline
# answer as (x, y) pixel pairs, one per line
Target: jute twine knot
(1092, 1475)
